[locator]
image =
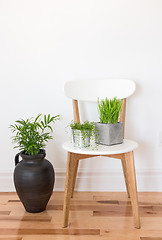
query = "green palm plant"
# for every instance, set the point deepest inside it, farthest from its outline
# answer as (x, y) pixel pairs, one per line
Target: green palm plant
(31, 135)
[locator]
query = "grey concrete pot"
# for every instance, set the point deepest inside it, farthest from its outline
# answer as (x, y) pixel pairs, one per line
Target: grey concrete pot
(79, 140)
(109, 134)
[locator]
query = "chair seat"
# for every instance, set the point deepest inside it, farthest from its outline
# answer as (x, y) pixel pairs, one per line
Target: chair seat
(126, 146)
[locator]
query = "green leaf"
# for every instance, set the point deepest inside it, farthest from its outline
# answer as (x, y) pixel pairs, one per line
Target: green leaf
(45, 120)
(37, 118)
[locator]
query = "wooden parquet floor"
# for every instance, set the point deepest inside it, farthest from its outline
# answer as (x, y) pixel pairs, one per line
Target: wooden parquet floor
(93, 215)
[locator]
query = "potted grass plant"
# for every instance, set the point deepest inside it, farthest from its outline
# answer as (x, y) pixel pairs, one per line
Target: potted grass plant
(82, 133)
(110, 131)
(34, 175)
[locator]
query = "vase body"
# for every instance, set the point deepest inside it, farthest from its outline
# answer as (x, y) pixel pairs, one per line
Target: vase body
(34, 179)
(109, 133)
(80, 140)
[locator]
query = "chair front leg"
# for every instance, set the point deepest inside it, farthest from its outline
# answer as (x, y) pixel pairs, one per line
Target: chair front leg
(70, 170)
(74, 176)
(129, 157)
(125, 174)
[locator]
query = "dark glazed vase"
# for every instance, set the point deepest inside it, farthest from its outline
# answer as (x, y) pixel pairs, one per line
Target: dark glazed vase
(34, 179)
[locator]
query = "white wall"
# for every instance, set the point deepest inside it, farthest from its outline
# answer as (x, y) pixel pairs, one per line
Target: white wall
(43, 44)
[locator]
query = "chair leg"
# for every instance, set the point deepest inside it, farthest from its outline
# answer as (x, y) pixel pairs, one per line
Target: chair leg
(74, 177)
(68, 187)
(129, 158)
(125, 175)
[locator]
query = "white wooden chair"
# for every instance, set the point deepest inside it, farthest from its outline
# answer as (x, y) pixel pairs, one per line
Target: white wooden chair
(90, 91)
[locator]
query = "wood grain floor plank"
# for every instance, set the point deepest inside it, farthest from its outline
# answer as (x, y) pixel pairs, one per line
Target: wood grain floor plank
(103, 196)
(152, 197)
(154, 211)
(5, 212)
(47, 231)
(110, 202)
(77, 195)
(128, 202)
(93, 216)
(112, 210)
(150, 238)
(26, 218)
(14, 200)
(8, 193)
(66, 237)
(124, 235)
(3, 201)
(29, 225)
(11, 238)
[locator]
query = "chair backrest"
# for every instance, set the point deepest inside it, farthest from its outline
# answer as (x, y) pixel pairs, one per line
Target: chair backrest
(91, 90)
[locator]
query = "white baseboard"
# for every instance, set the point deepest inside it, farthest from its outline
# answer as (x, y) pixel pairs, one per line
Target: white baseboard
(96, 180)
(6, 181)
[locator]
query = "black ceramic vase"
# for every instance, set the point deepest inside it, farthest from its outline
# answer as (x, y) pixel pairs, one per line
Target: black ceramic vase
(34, 179)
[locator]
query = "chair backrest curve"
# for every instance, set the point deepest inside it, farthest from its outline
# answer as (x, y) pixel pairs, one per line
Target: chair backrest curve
(91, 90)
